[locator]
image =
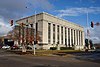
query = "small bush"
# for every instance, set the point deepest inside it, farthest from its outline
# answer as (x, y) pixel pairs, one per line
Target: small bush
(97, 47)
(66, 48)
(53, 48)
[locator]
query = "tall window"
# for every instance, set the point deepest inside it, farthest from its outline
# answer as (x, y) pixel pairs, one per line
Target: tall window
(72, 36)
(49, 32)
(65, 36)
(77, 36)
(69, 37)
(62, 35)
(58, 34)
(53, 33)
(81, 39)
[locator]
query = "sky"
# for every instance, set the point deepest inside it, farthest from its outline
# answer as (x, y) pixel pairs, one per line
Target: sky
(72, 10)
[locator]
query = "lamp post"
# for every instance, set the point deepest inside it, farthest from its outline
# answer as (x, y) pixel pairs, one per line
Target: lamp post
(34, 42)
(35, 34)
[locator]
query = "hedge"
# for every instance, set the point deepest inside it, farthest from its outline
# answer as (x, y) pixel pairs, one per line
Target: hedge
(53, 48)
(66, 48)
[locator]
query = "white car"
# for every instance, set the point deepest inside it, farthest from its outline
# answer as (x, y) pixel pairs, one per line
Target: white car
(5, 47)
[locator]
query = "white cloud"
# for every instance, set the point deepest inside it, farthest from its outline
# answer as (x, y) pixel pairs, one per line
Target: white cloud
(94, 33)
(44, 4)
(4, 28)
(92, 1)
(11, 9)
(81, 1)
(77, 11)
(15, 9)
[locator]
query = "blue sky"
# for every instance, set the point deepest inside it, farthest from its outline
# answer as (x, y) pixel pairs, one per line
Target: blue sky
(75, 5)
(79, 10)
(72, 10)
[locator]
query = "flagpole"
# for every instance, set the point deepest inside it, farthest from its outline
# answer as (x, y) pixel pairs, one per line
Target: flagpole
(88, 29)
(87, 24)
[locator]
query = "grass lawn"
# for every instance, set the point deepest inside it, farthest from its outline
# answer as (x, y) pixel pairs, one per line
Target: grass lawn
(47, 52)
(55, 51)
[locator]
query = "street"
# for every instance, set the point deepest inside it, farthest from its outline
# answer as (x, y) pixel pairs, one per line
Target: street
(13, 60)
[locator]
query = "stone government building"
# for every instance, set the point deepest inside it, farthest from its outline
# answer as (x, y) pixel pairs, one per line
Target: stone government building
(56, 31)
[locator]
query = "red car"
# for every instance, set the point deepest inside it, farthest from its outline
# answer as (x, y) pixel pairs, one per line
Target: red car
(14, 47)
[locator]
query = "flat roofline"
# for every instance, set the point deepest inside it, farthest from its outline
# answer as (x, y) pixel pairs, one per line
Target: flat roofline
(51, 16)
(63, 19)
(29, 16)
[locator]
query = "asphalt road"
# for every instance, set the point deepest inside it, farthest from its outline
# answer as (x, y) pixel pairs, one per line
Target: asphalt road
(12, 60)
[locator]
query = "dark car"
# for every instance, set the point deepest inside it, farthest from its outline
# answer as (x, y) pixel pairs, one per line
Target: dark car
(0, 47)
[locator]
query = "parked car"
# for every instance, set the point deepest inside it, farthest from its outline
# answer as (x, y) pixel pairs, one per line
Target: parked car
(0, 47)
(29, 47)
(6, 47)
(20, 47)
(14, 47)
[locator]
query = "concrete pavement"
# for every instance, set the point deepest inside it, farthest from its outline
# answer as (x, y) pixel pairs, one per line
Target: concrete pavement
(13, 60)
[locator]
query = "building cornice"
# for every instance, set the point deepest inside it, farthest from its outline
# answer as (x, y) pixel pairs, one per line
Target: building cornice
(51, 16)
(62, 19)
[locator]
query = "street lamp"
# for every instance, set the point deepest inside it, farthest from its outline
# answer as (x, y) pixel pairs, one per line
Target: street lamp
(35, 33)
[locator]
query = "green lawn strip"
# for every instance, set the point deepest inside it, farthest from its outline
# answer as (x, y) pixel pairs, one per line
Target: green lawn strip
(46, 52)
(55, 52)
